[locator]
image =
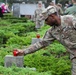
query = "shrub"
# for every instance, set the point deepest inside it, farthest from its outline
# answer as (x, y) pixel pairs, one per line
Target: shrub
(58, 66)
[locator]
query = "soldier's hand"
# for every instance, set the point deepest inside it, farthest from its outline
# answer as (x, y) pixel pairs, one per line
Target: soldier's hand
(20, 52)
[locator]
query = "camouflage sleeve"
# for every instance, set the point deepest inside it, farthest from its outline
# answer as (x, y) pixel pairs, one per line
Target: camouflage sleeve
(74, 22)
(47, 39)
(35, 14)
(70, 20)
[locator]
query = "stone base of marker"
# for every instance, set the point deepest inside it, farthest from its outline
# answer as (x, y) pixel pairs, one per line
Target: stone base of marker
(34, 40)
(11, 60)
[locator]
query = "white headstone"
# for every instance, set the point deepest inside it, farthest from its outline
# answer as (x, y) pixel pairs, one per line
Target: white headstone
(27, 9)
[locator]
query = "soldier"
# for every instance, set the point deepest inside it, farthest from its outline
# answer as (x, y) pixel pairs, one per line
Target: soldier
(38, 12)
(63, 29)
(71, 10)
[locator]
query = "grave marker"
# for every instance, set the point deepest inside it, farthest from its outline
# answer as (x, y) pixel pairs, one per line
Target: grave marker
(11, 60)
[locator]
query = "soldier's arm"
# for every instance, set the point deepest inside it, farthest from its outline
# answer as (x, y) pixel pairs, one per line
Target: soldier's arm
(35, 15)
(74, 22)
(47, 39)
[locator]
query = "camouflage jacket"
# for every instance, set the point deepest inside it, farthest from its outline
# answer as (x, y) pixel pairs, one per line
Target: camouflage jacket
(64, 33)
(38, 11)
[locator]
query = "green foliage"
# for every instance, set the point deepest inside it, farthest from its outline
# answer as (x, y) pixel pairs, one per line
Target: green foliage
(43, 29)
(10, 31)
(20, 71)
(57, 48)
(61, 67)
(2, 55)
(44, 63)
(19, 40)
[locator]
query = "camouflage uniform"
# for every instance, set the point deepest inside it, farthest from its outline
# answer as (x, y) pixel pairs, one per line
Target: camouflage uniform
(71, 10)
(38, 20)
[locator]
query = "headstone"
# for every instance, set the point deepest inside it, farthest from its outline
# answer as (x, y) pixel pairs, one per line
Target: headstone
(11, 60)
(34, 40)
(27, 9)
(16, 9)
